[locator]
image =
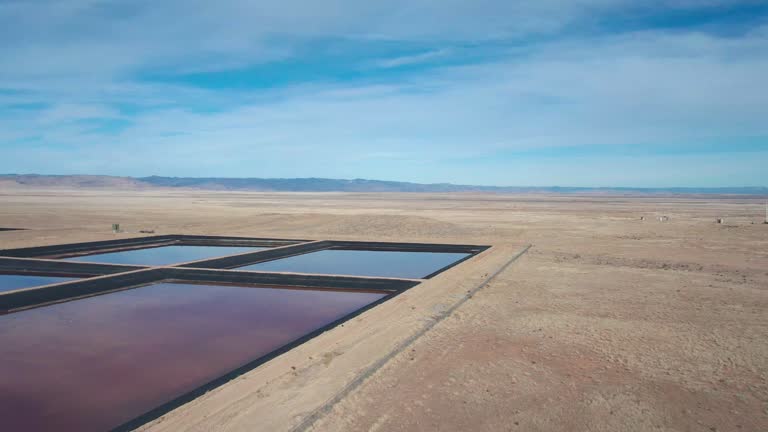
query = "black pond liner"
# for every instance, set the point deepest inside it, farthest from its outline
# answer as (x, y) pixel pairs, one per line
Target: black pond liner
(67, 295)
(148, 345)
(105, 246)
(247, 261)
(104, 279)
(16, 281)
(164, 255)
(398, 264)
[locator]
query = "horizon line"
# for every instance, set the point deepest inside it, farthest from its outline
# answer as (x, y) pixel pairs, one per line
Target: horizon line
(745, 187)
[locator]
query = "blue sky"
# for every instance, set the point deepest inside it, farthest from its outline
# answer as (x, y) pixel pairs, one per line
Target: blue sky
(647, 93)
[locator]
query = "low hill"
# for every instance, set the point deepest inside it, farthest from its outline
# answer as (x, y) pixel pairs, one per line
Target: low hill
(330, 185)
(72, 181)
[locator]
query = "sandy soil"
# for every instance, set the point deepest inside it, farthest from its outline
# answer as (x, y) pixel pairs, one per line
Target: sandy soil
(608, 323)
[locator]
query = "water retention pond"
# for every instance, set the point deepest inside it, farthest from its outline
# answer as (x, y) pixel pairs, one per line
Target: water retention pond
(112, 334)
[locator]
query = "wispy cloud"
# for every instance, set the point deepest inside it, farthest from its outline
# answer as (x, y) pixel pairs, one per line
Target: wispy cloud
(413, 59)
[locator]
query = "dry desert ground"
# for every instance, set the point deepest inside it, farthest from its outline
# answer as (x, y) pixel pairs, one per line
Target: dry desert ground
(607, 323)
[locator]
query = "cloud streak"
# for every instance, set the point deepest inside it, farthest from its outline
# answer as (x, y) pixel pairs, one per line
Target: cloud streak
(413, 59)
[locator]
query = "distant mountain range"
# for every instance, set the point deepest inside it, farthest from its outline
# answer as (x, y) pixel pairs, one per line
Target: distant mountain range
(329, 185)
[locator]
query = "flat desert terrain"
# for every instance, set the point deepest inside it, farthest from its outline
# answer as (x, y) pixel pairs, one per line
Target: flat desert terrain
(607, 323)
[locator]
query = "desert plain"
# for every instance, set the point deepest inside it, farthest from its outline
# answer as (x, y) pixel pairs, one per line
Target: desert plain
(606, 323)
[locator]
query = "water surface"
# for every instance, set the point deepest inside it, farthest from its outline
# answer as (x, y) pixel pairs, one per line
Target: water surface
(11, 282)
(95, 363)
(164, 255)
(363, 263)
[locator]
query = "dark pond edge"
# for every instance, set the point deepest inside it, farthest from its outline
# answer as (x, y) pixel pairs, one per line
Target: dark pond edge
(102, 246)
(20, 300)
(257, 257)
(27, 298)
(37, 266)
